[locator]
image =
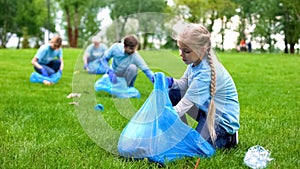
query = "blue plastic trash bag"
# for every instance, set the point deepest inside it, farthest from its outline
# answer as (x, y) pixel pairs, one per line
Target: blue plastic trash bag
(156, 131)
(96, 67)
(38, 78)
(120, 89)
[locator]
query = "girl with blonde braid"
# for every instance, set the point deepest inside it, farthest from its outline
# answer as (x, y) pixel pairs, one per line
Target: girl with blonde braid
(206, 90)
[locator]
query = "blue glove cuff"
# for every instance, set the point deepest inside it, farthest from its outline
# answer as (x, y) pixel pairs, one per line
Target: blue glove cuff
(170, 81)
(149, 74)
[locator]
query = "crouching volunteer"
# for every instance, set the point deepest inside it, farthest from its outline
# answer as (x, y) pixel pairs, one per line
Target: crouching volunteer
(92, 56)
(206, 91)
(49, 58)
(126, 61)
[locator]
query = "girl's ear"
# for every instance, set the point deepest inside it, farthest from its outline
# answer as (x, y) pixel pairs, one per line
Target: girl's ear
(202, 52)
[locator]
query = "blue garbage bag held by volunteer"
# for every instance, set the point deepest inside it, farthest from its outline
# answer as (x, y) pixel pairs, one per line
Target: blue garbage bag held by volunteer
(156, 131)
(96, 67)
(118, 89)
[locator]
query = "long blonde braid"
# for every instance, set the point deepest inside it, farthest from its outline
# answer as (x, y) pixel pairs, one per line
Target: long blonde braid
(204, 37)
(212, 109)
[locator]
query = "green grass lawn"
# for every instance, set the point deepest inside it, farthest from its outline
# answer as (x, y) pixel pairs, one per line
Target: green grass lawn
(40, 129)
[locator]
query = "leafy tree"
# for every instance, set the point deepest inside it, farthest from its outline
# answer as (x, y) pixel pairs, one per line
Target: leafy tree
(8, 12)
(25, 42)
(121, 11)
(203, 11)
(196, 9)
(152, 25)
(223, 9)
(270, 17)
(19, 14)
(266, 22)
(32, 15)
(80, 14)
(290, 17)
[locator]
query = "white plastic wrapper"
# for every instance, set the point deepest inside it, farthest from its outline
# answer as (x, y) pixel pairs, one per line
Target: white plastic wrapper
(257, 157)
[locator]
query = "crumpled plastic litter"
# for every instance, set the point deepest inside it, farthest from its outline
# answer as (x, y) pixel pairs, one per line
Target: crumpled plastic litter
(71, 95)
(257, 157)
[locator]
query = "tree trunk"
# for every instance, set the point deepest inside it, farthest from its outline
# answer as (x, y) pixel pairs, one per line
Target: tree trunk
(223, 22)
(262, 45)
(123, 27)
(145, 40)
(292, 48)
(117, 29)
(286, 49)
(18, 45)
(3, 35)
(69, 28)
(76, 18)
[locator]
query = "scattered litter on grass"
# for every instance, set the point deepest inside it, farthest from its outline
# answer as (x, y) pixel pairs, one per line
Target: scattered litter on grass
(257, 157)
(74, 103)
(99, 107)
(76, 72)
(71, 95)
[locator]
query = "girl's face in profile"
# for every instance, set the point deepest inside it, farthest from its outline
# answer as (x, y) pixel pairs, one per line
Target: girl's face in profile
(187, 54)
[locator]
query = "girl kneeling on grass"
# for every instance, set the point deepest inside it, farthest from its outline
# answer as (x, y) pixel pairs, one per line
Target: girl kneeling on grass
(49, 58)
(206, 90)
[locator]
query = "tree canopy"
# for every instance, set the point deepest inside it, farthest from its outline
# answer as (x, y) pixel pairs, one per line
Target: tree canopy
(20, 15)
(28, 18)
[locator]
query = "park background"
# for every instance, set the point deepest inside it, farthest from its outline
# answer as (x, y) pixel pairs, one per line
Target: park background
(270, 25)
(46, 132)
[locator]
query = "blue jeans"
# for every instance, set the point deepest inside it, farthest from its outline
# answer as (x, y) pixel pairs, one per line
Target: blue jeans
(130, 74)
(51, 68)
(223, 140)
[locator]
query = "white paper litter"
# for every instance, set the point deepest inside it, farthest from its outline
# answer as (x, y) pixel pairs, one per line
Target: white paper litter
(71, 95)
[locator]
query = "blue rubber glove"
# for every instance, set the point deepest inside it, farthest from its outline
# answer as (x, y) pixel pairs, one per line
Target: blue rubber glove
(170, 81)
(85, 66)
(44, 72)
(112, 76)
(60, 71)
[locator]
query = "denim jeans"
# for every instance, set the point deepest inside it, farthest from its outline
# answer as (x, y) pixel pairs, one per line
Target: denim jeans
(223, 139)
(51, 68)
(130, 75)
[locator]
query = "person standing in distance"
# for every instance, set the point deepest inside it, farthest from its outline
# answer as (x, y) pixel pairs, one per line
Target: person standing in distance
(49, 58)
(206, 91)
(126, 61)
